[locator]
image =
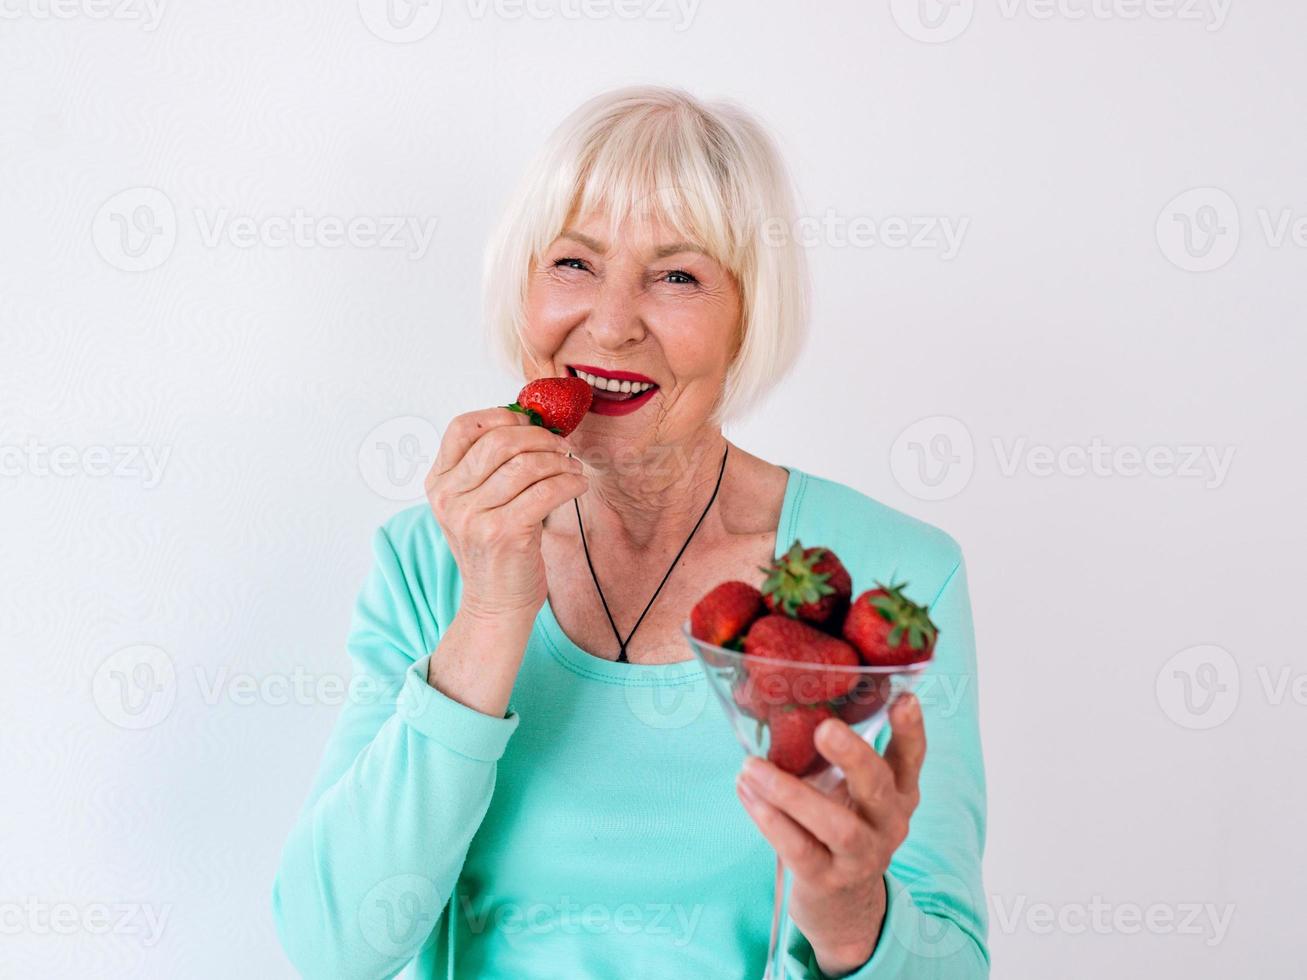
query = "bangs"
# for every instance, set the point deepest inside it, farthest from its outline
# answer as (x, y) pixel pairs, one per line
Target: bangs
(655, 167)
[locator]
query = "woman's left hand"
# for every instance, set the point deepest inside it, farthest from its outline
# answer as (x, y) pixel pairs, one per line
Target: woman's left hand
(838, 845)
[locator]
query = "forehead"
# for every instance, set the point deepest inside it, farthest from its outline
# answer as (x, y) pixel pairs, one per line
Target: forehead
(648, 234)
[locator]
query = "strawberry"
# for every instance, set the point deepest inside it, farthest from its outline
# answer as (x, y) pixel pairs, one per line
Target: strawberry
(778, 637)
(723, 615)
(792, 729)
(864, 700)
(750, 699)
(559, 404)
(889, 629)
(808, 583)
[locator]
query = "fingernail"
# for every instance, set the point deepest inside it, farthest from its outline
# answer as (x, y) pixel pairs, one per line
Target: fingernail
(829, 734)
(755, 772)
(744, 790)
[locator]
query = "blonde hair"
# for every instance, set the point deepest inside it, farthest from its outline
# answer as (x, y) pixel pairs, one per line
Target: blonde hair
(710, 171)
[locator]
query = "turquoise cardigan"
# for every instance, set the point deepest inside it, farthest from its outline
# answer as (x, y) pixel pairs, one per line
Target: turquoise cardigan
(594, 831)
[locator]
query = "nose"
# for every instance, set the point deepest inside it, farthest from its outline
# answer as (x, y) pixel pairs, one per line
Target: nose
(616, 318)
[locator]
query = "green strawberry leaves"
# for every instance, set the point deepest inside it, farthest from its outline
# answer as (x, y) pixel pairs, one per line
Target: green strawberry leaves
(905, 616)
(535, 417)
(791, 581)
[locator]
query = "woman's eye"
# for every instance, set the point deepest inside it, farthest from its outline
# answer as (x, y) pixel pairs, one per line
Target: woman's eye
(677, 277)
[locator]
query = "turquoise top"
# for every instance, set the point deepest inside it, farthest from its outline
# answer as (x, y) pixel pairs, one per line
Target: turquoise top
(594, 831)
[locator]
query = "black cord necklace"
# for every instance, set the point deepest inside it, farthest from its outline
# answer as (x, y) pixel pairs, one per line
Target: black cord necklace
(621, 654)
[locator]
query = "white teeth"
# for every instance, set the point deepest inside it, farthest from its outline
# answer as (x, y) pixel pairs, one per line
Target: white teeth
(613, 385)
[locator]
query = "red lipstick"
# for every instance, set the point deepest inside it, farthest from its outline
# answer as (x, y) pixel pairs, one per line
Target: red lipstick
(615, 403)
(610, 373)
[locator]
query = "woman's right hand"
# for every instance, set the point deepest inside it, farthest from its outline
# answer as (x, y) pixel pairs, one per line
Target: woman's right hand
(495, 479)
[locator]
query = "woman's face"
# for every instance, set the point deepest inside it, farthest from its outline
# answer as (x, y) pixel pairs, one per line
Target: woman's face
(645, 308)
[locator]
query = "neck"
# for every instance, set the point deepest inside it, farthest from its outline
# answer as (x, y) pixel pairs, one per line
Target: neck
(640, 497)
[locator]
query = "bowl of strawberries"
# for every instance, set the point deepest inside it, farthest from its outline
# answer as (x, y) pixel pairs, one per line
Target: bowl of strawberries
(785, 655)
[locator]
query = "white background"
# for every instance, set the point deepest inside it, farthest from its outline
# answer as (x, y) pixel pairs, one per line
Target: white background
(271, 382)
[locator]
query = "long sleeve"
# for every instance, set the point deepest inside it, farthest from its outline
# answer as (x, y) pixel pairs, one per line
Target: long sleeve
(936, 923)
(403, 785)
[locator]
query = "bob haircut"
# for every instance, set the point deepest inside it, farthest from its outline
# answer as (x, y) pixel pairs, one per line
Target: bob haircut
(709, 171)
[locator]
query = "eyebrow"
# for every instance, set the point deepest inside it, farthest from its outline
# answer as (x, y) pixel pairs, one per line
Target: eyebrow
(661, 252)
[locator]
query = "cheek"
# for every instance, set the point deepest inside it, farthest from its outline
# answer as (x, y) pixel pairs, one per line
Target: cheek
(549, 312)
(698, 345)
(694, 358)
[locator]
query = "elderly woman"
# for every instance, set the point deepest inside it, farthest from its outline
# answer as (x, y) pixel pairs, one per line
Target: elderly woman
(519, 788)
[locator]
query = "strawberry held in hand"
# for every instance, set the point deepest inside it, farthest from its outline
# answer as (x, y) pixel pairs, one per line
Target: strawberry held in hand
(559, 404)
(889, 629)
(808, 583)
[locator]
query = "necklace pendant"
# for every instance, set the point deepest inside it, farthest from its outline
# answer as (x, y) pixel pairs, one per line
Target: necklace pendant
(621, 644)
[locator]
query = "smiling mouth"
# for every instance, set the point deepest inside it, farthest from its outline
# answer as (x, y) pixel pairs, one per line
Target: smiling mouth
(614, 386)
